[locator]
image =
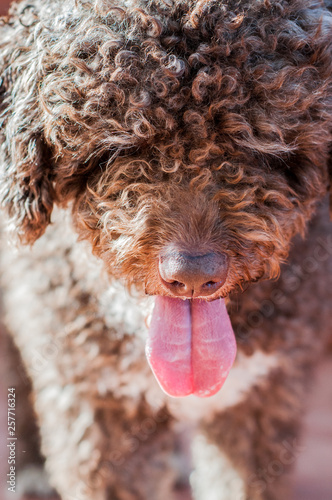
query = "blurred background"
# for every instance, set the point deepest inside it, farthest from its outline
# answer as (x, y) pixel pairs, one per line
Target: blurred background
(3, 7)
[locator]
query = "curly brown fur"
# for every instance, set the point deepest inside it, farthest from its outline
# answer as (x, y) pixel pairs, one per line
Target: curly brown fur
(192, 93)
(203, 125)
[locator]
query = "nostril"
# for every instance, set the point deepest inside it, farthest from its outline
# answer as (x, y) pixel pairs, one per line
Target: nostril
(176, 287)
(211, 286)
(173, 283)
(210, 283)
(177, 284)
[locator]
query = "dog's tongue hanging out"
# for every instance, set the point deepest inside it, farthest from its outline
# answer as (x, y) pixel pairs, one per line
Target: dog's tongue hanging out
(191, 346)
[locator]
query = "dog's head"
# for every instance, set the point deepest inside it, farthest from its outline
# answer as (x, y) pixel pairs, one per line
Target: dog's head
(191, 140)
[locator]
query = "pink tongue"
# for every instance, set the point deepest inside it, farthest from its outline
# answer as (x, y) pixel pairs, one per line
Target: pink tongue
(191, 346)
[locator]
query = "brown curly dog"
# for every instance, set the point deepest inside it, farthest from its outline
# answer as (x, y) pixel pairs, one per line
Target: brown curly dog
(187, 145)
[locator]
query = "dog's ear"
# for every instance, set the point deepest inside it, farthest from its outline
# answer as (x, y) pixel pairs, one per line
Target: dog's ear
(26, 183)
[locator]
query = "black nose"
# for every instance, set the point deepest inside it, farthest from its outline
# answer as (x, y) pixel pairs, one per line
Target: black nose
(188, 275)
